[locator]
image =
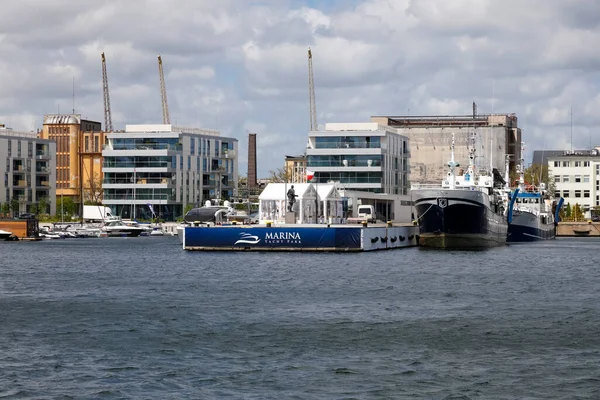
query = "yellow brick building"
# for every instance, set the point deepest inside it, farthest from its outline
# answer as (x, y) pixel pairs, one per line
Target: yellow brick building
(78, 155)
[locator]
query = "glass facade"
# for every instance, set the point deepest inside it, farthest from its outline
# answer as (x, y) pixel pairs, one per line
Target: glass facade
(348, 142)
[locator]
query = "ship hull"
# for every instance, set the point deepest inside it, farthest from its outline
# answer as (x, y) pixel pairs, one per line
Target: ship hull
(458, 219)
(527, 227)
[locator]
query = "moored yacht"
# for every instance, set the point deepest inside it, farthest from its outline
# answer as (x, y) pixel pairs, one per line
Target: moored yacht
(116, 228)
(5, 234)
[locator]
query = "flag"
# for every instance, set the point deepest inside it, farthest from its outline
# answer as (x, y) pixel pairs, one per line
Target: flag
(309, 175)
(151, 209)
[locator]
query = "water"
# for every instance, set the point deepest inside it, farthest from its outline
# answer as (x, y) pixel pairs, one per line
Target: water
(141, 318)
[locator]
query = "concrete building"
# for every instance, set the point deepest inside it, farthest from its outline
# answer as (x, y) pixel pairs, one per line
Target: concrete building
(576, 176)
(160, 170)
(430, 137)
(295, 168)
(78, 155)
(367, 157)
(28, 172)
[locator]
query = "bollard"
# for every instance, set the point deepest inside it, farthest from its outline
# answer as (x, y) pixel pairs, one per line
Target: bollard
(389, 224)
(268, 224)
(364, 224)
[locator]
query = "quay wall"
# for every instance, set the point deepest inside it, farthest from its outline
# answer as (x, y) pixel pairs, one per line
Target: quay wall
(578, 229)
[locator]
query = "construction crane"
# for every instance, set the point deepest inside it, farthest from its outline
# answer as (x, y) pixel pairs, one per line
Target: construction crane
(163, 94)
(311, 94)
(108, 127)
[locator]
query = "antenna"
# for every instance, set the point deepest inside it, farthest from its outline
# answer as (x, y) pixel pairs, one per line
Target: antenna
(571, 127)
(73, 95)
(493, 93)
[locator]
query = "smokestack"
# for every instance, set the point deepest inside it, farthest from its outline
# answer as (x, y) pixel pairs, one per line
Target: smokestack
(252, 180)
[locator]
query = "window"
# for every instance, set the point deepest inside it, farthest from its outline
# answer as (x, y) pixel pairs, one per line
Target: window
(557, 178)
(557, 164)
(565, 193)
(586, 163)
(557, 194)
(565, 164)
(86, 145)
(96, 144)
(578, 163)
(565, 178)
(578, 193)
(586, 194)
(578, 178)
(586, 179)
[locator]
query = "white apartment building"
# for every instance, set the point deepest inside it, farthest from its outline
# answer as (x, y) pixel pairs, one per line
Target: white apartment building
(360, 156)
(27, 171)
(159, 170)
(576, 177)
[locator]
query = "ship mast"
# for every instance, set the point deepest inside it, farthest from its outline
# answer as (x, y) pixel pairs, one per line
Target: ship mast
(507, 172)
(452, 164)
(521, 168)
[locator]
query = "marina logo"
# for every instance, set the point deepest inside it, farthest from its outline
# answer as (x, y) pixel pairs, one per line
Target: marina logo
(442, 202)
(247, 238)
(283, 238)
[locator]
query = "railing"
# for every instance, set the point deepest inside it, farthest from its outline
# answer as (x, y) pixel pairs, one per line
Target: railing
(142, 146)
(126, 181)
(108, 164)
(137, 197)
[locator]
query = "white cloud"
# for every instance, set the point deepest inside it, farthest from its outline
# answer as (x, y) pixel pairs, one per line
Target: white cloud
(242, 65)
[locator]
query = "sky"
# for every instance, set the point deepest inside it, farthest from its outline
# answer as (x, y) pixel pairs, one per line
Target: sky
(240, 66)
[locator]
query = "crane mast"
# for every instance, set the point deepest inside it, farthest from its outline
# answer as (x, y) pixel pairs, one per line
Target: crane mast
(108, 127)
(163, 93)
(311, 94)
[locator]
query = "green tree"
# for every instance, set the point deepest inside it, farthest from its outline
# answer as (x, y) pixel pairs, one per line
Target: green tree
(279, 175)
(14, 207)
(42, 206)
(66, 207)
(577, 213)
(536, 174)
(567, 211)
(5, 208)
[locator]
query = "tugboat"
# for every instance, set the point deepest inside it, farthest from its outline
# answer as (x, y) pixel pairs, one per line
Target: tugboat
(532, 216)
(468, 210)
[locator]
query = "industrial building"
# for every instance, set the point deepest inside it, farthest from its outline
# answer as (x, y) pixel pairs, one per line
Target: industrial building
(160, 170)
(429, 137)
(79, 144)
(29, 179)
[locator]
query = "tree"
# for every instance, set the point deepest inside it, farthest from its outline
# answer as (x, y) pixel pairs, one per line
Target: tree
(92, 190)
(280, 175)
(6, 208)
(14, 206)
(538, 173)
(577, 213)
(42, 206)
(66, 207)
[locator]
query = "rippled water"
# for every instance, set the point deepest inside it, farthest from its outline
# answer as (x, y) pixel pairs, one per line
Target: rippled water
(141, 318)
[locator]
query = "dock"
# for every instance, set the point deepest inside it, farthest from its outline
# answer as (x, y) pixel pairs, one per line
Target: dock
(305, 237)
(578, 229)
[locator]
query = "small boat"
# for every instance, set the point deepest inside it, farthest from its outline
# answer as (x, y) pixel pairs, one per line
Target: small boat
(157, 232)
(5, 235)
(532, 214)
(581, 232)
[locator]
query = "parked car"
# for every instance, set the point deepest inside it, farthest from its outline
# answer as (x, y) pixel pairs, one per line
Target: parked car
(595, 218)
(254, 218)
(27, 216)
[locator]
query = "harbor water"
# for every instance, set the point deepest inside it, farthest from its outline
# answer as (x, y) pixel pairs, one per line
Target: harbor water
(121, 318)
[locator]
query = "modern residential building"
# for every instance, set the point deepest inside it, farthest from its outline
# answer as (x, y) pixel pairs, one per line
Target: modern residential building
(252, 178)
(430, 137)
(78, 155)
(160, 170)
(368, 157)
(295, 168)
(28, 172)
(576, 176)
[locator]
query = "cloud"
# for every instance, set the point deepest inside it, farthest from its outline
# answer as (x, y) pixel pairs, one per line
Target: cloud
(242, 66)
